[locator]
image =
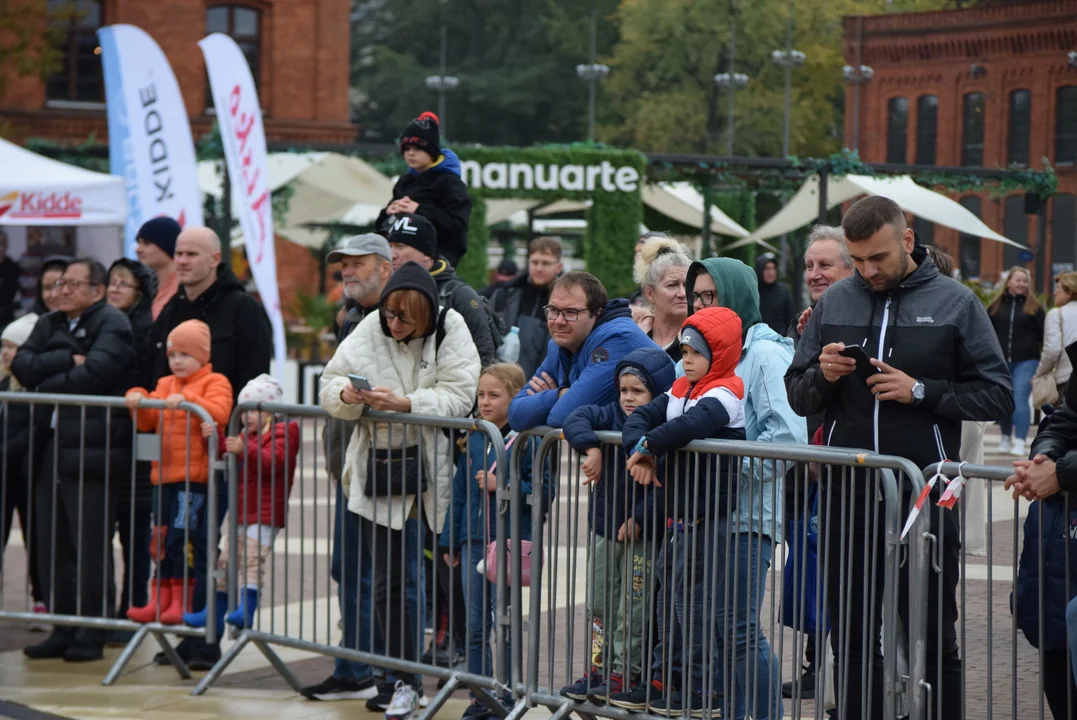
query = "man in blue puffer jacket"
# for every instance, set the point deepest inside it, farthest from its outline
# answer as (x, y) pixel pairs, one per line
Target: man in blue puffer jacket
(589, 335)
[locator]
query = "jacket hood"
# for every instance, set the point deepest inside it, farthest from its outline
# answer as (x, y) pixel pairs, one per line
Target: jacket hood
(654, 365)
(412, 276)
(226, 281)
(449, 163)
(614, 309)
(762, 263)
(147, 283)
(722, 329)
(738, 287)
(442, 270)
(926, 270)
(53, 262)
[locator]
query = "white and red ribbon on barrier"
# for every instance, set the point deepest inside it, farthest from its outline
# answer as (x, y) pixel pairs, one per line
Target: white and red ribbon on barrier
(948, 499)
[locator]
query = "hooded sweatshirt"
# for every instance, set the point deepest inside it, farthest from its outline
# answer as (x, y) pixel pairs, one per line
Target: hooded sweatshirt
(1019, 334)
(443, 200)
(768, 416)
(586, 375)
(615, 494)
(711, 408)
(775, 300)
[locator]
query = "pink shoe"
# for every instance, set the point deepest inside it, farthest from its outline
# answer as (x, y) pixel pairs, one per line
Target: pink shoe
(40, 609)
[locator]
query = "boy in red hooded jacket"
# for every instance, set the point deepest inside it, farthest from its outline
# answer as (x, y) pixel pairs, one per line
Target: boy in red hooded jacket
(266, 453)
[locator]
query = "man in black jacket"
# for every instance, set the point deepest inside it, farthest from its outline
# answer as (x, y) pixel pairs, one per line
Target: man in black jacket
(936, 362)
(85, 348)
(521, 301)
(413, 238)
(775, 301)
(241, 345)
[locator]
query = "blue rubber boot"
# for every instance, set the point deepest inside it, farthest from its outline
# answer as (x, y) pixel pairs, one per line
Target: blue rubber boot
(198, 619)
(243, 616)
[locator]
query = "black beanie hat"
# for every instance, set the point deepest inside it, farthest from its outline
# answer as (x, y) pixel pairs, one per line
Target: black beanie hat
(412, 276)
(414, 231)
(162, 232)
(423, 133)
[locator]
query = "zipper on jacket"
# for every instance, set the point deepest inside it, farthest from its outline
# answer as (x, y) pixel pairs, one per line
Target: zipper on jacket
(882, 341)
(938, 442)
(830, 437)
(1009, 338)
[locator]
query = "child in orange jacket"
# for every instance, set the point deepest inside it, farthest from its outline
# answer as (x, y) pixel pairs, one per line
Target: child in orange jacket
(182, 473)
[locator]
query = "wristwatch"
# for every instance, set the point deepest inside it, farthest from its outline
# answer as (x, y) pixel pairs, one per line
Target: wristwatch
(917, 392)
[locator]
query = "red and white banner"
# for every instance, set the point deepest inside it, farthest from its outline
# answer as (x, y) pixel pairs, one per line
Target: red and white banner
(239, 115)
(149, 135)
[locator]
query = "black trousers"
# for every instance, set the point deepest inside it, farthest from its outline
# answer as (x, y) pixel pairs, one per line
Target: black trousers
(853, 556)
(73, 543)
(391, 553)
(1057, 683)
(134, 508)
(15, 498)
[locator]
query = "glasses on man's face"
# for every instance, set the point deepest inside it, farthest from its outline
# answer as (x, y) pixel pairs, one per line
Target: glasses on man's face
(705, 298)
(569, 314)
(389, 316)
(73, 285)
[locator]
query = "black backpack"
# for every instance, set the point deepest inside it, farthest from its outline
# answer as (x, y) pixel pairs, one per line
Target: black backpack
(494, 321)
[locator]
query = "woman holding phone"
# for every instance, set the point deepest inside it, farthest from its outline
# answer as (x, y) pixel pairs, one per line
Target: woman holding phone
(415, 359)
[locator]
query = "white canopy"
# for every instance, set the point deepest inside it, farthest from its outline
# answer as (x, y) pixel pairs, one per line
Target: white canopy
(680, 201)
(36, 190)
(918, 200)
(328, 187)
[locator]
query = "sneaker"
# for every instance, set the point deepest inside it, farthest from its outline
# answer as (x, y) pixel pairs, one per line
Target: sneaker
(40, 609)
(637, 698)
(203, 655)
(601, 695)
(580, 689)
(1004, 445)
(1018, 449)
(384, 698)
(476, 711)
(806, 686)
(404, 703)
(675, 703)
(336, 689)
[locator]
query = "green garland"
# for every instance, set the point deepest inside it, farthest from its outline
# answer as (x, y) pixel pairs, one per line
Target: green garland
(613, 220)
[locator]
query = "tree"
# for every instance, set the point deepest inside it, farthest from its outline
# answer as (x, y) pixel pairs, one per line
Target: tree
(30, 35)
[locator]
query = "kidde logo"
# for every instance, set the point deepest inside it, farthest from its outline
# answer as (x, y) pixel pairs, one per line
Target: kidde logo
(41, 206)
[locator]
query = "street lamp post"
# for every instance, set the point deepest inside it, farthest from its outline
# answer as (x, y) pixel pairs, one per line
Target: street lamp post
(731, 82)
(443, 82)
(789, 59)
(857, 76)
(592, 72)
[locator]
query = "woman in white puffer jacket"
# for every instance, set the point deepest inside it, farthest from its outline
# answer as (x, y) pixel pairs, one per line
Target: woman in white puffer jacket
(1060, 330)
(397, 351)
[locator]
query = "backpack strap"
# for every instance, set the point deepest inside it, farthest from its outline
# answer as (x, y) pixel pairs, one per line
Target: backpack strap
(439, 334)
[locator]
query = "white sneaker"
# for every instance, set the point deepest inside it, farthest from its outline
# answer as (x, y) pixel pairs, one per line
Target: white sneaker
(404, 704)
(1004, 444)
(1018, 449)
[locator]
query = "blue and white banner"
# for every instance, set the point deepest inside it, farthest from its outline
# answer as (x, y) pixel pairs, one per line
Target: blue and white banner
(149, 134)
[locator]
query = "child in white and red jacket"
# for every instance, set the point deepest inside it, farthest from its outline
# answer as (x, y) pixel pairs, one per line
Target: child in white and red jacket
(266, 450)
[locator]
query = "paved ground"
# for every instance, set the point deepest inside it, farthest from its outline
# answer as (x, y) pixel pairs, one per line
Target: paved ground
(1000, 666)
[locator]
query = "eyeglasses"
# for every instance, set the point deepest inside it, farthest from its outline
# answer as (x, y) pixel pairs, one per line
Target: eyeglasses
(705, 298)
(569, 314)
(118, 284)
(398, 316)
(73, 284)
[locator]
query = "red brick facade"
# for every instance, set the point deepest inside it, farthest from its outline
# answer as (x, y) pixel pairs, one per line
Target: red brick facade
(303, 73)
(948, 54)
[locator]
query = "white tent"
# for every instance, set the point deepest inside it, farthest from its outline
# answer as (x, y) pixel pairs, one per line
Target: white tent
(327, 187)
(921, 202)
(36, 190)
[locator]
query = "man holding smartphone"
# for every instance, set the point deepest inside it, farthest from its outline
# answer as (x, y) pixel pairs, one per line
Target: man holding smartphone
(938, 363)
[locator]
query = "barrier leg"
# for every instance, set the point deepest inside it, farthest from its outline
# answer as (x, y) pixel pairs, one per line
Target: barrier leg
(125, 657)
(491, 702)
(443, 695)
(173, 657)
(522, 707)
(278, 665)
(217, 670)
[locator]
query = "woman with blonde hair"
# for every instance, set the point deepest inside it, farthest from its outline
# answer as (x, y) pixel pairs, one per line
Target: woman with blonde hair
(1017, 317)
(1060, 330)
(660, 269)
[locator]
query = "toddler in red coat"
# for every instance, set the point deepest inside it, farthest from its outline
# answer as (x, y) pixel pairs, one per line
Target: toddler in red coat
(266, 453)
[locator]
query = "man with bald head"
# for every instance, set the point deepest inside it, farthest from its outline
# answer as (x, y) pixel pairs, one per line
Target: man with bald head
(241, 343)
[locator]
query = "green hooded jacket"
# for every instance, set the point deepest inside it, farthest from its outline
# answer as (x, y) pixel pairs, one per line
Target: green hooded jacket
(737, 284)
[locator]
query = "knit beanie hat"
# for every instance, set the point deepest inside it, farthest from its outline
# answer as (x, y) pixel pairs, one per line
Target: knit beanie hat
(694, 339)
(162, 232)
(18, 331)
(191, 337)
(423, 133)
(262, 389)
(414, 231)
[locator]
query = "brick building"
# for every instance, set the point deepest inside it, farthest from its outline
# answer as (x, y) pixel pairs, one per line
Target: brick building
(987, 87)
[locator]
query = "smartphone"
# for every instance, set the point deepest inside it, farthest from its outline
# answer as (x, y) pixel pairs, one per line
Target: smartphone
(864, 368)
(359, 382)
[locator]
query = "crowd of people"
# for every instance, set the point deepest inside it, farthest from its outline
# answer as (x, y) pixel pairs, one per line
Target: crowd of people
(709, 349)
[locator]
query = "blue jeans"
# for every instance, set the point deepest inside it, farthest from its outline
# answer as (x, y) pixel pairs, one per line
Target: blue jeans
(1022, 373)
(744, 572)
(351, 569)
(479, 596)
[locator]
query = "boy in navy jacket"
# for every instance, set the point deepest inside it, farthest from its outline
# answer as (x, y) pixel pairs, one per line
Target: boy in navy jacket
(620, 510)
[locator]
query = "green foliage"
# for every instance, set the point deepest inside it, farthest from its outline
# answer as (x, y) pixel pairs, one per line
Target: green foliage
(612, 221)
(24, 49)
(473, 267)
(315, 311)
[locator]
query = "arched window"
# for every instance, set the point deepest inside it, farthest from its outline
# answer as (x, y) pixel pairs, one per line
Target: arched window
(1020, 127)
(969, 245)
(1015, 227)
(79, 77)
(972, 130)
(1066, 125)
(927, 125)
(897, 129)
(242, 24)
(1063, 233)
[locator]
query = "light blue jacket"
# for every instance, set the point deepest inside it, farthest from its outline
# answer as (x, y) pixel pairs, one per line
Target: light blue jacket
(769, 419)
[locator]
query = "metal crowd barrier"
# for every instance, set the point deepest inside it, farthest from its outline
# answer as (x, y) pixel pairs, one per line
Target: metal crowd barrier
(684, 611)
(1011, 669)
(59, 565)
(298, 607)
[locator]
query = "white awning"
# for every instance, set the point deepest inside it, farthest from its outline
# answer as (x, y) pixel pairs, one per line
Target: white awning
(680, 201)
(935, 207)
